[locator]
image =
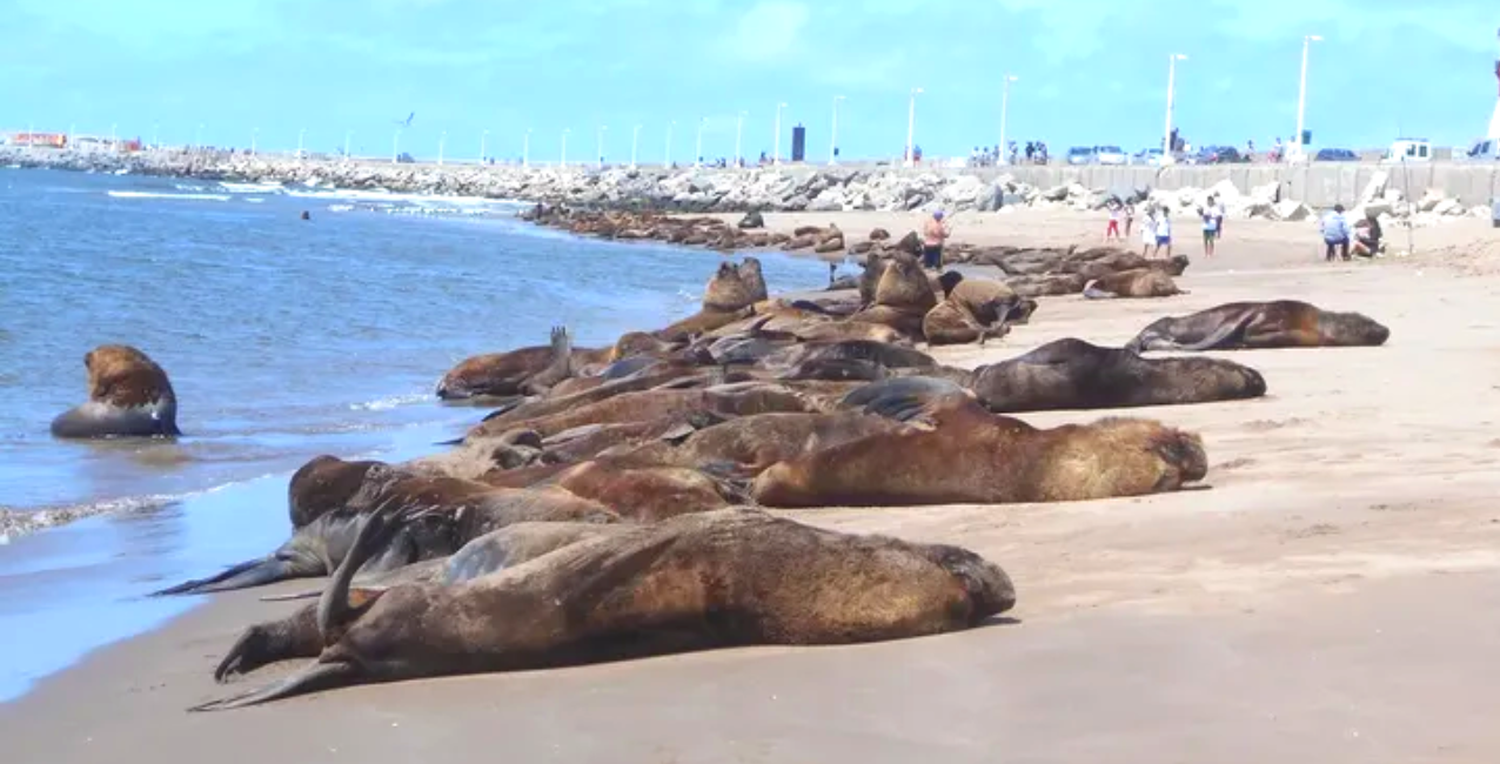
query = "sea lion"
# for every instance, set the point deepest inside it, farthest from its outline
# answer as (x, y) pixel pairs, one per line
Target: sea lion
(130, 396)
(456, 512)
(729, 290)
(645, 494)
(1118, 261)
(323, 484)
(297, 635)
(903, 296)
(1274, 324)
(1140, 282)
(974, 310)
(1073, 374)
(692, 582)
(737, 399)
(964, 454)
(524, 371)
(753, 279)
(1049, 285)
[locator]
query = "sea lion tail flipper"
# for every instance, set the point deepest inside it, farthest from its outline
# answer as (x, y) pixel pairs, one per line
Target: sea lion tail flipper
(1219, 335)
(505, 406)
(1092, 292)
(454, 442)
(266, 570)
(335, 607)
(319, 676)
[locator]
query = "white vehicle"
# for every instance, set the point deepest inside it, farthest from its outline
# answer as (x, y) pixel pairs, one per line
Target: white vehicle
(1109, 155)
(1487, 150)
(1409, 150)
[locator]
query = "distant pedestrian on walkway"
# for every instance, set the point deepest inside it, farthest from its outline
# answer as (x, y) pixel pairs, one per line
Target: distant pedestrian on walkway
(934, 233)
(1336, 232)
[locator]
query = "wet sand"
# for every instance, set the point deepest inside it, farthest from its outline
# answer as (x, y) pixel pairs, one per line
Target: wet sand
(1333, 594)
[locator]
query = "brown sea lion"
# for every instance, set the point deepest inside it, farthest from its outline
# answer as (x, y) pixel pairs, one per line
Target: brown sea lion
(902, 297)
(1274, 324)
(974, 310)
(129, 397)
(715, 579)
(753, 279)
(1118, 261)
(645, 494)
(1073, 374)
(524, 371)
(1049, 285)
(323, 484)
(459, 510)
(297, 635)
(652, 405)
(1138, 283)
(967, 455)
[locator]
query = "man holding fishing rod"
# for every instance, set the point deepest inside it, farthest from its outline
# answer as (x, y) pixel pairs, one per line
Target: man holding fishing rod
(934, 233)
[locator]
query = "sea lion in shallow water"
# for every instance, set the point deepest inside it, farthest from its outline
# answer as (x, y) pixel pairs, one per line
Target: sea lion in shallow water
(1073, 374)
(129, 397)
(1274, 324)
(717, 579)
(1137, 283)
(964, 454)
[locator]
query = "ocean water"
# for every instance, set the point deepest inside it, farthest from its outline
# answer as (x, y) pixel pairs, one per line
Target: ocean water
(284, 339)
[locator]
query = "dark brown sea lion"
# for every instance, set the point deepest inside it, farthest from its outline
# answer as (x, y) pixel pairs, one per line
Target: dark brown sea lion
(753, 279)
(1048, 285)
(1138, 283)
(129, 397)
(523, 371)
(968, 455)
(459, 510)
(715, 579)
(297, 635)
(974, 310)
(1072, 374)
(646, 494)
(323, 484)
(1117, 261)
(902, 297)
(1274, 324)
(653, 405)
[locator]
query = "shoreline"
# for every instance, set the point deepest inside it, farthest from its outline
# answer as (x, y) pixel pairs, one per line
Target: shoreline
(1244, 619)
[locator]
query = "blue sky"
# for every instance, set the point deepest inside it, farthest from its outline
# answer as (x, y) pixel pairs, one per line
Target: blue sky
(1090, 71)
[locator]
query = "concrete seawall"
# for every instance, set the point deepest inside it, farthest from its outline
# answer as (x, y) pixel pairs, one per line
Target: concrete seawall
(1318, 184)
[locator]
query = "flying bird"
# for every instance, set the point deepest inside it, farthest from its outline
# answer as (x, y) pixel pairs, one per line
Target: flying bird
(406, 122)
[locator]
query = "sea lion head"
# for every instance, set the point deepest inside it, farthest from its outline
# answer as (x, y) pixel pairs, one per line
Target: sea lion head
(904, 286)
(1352, 329)
(754, 280)
(727, 291)
(948, 280)
(323, 484)
(129, 396)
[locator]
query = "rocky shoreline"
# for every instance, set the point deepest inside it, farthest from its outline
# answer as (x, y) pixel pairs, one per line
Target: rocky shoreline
(718, 190)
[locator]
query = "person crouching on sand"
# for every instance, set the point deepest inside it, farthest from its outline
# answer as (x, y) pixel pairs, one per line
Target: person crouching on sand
(934, 233)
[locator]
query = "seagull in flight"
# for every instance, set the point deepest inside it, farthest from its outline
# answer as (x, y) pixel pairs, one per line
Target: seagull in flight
(406, 122)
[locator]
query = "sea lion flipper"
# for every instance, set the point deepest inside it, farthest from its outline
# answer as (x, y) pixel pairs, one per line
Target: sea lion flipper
(258, 572)
(319, 676)
(505, 406)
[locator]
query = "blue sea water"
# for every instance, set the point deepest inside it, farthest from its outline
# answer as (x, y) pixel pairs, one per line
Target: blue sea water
(284, 339)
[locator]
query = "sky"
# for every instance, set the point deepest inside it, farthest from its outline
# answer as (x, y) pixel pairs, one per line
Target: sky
(1089, 72)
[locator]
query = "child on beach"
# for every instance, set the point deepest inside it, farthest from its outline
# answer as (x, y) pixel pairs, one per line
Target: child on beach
(1112, 231)
(1210, 228)
(1129, 219)
(1164, 233)
(1148, 232)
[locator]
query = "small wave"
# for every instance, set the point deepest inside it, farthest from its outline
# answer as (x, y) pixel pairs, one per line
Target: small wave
(156, 195)
(191, 187)
(251, 188)
(256, 199)
(385, 404)
(15, 523)
(382, 195)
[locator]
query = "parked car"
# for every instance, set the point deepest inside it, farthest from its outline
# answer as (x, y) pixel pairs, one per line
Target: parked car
(1081, 155)
(1335, 155)
(1217, 155)
(1483, 151)
(1147, 157)
(1409, 150)
(1109, 155)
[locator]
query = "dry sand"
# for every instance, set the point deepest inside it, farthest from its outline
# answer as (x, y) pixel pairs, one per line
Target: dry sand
(1333, 596)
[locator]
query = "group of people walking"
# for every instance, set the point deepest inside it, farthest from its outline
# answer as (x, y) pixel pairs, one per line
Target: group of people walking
(1156, 226)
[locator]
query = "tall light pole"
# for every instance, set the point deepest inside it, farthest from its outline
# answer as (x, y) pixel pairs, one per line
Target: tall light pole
(667, 158)
(698, 153)
(155, 131)
(600, 135)
(833, 132)
(635, 140)
(302, 133)
(442, 139)
(396, 147)
(526, 149)
(254, 135)
(1307, 41)
(1004, 157)
(348, 135)
(564, 159)
(1166, 154)
(776, 160)
(911, 127)
(197, 137)
(484, 138)
(739, 130)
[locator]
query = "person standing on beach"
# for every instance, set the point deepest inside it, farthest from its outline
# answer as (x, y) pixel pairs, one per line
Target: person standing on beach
(1112, 231)
(1164, 233)
(1336, 232)
(934, 233)
(1148, 231)
(1129, 220)
(1210, 227)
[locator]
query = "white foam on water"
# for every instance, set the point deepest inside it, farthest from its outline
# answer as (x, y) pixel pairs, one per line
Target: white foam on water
(157, 195)
(390, 402)
(252, 188)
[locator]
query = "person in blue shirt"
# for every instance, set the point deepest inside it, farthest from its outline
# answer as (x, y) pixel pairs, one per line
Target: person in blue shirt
(1336, 232)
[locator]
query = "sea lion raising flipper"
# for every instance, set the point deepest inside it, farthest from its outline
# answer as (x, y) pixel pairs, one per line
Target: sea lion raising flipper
(130, 396)
(1274, 324)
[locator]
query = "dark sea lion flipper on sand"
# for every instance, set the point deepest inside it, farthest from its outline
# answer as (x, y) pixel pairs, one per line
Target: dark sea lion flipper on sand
(904, 399)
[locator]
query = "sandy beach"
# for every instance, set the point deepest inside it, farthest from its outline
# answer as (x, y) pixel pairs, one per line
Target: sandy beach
(1331, 595)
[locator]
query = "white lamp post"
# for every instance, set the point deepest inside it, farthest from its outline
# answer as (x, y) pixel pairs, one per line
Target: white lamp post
(1166, 154)
(833, 132)
(155, 130)
(526, 149)
(300, 135)
(911, 128)
(698, 152)
(739, 130)
(776, 159)
(348, 136)
(484, 138)
(1004, 157)
(564, 158)
(254, 134)
(197, 137)
(396, 147)
(667, 161)
(1307, 40)
(635, 142)
(442, 139)
(601, 130)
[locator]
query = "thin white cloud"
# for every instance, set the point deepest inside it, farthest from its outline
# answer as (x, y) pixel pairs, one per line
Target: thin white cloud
(768, 32)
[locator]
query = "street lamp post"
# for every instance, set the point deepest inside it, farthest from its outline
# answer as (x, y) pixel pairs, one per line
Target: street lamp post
(698, 152)
(1307, 41)
(197, 137)
(1004, 157)
(739, 130)
(302, 133)
(563, 160)
(911, 127)
(526, 149)
(776, 159)
(396, 147)
(667, 158)
(155, 132)
(348, 136)
(601, 130)
(833, 133)
(635, 141)
(484, 138)
(442, 140)
(112, 139)
(1166, 154)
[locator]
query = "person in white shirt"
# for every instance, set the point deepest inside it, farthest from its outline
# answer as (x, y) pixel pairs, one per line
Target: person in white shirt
(1148, 232)
(1164, 233)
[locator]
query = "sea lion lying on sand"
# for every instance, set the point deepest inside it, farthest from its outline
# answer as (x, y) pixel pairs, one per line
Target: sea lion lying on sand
(717, 579)
(325, 483)
(967, 455)
(524, 371)
(974, 310)
(457, 511)
(1274, 324)
(129, 396)
(1141, 282)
